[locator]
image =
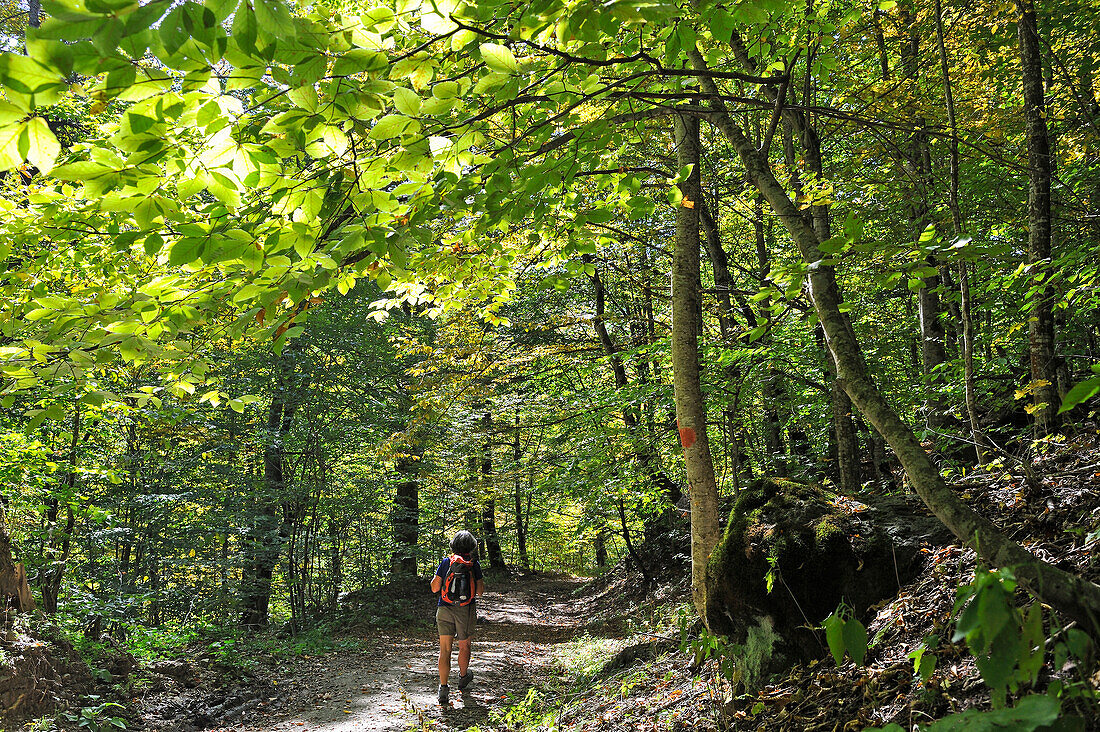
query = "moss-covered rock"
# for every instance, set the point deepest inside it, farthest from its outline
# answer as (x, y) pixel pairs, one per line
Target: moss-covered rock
(791, 552)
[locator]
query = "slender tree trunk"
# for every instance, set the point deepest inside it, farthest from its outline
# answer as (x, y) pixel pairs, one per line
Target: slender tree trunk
(644, 454)
(957, 222)
(918, 169)
(771, 391)
(723, 284)
(690, 408)
(843, 428)
(1077, 598)
(521, 525)
(630, 544)
(471, 520)
(59, 546)
(489, 507)
(1041, 322)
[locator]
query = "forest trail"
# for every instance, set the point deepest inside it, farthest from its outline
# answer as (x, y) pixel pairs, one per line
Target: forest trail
(392, 684)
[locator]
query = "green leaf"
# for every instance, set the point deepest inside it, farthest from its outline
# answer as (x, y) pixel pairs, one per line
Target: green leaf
(27, 76)
(721, 25)
(148, 82)
(406, 101)
(38, 144)
(359, 60)
(926, 667)
(389, 127)
(1085, 390)
(247, 292)
(834, 636)
(10, 114)
(499, 58)
(750, 14)
(855, 640)
(186, 251)
(274, 17)
(245, 28)
(967, 623)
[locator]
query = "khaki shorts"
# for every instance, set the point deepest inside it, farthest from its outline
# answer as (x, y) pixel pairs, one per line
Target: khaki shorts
(456, 621)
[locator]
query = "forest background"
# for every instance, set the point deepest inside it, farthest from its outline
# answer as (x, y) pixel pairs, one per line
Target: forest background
(292, 293)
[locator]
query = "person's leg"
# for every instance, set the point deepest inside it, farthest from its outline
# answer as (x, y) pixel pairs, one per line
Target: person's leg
(445, 645)
(463, 656)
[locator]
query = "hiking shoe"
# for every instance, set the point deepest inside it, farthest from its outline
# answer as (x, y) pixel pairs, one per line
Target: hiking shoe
(465, 679)
(444, 694)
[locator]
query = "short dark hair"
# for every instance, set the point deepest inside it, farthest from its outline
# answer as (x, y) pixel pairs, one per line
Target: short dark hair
(464, 543)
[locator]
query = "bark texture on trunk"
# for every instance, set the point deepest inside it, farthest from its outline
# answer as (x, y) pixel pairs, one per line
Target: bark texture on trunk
(690, 408)
(269, 531)
(1074, 596)
(1041, 323)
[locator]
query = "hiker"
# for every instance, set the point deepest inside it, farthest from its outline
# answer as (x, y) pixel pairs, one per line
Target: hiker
(458, 582)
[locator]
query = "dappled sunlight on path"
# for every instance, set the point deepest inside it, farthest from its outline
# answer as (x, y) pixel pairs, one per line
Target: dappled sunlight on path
(392, 686)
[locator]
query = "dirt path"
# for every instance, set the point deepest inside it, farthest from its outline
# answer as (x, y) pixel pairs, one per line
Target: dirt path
(391, 686)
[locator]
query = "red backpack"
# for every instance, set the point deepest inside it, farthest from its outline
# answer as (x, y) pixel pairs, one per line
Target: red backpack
(458, 585)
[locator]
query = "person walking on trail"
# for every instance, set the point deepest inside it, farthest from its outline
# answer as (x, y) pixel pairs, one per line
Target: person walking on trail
(458, 582)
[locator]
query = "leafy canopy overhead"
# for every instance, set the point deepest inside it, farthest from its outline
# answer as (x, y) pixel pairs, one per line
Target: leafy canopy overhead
(249, 157)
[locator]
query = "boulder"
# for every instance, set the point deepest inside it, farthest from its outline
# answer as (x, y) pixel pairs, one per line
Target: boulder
(792, 552)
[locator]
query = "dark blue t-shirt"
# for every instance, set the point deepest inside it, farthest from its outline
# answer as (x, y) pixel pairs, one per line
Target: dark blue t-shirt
(442, 574)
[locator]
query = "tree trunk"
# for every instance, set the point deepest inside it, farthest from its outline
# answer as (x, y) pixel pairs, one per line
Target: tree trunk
(1077, 598)
(406, 516)
(690, 408)
(59, 546)
(918, 169)
(15, 593)
(843, 429)
(521, 523)
(630, 544)
(269, 531)
(600, 541)
(489, 507)
(1041, 323)
(957, 222)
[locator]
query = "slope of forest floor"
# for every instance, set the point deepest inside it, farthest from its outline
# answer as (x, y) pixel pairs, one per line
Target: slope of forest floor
(1050, 503)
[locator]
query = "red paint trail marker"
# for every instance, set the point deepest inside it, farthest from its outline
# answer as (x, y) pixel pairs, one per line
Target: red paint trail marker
(687, 437)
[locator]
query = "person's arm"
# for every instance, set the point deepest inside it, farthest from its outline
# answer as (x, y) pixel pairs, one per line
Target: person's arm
(437, 580)
(479, 587)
